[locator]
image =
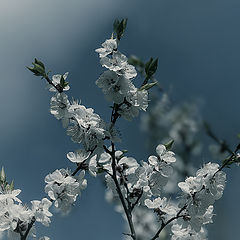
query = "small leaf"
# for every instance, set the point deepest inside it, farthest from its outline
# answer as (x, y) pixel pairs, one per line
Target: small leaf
(11, 186)
(152, 68)
(147, 86)
(62, 81)
(119, 27)
(115, 25)
(65, 84)
(147, 65)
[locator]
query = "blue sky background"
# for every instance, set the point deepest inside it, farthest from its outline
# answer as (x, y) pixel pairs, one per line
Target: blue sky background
(197, 43)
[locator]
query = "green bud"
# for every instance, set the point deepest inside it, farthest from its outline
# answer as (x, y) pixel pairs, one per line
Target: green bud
(11, 186)
(169, 145)
(38, 68)
(39, 63)
(2, 176)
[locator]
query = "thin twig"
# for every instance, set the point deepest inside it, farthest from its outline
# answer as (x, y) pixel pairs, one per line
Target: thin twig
(163, 225)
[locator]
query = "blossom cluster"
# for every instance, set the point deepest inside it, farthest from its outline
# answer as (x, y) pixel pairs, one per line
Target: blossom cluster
(199, 194)
(63, 189)
(138, 188)
(17, 219)
(116, 82)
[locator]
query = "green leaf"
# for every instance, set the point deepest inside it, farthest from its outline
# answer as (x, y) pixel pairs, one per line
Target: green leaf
(147, 65)
(115, 25)
(147, 86)
(11, 186)
(62, 81)
(151, 67)
(119, 27)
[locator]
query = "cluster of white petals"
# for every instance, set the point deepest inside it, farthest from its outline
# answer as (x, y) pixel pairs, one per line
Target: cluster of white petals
(139, 182)
(116, 82)
(63, 188)
(199, 194)
(40, 210)
(179, 122)
(15, 217)
(83, 125)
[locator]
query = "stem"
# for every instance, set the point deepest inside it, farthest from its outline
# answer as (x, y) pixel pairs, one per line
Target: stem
(134, 204)
(223, 145)
(163, 225)
(126, 209)
(24, 237)
(57, 87)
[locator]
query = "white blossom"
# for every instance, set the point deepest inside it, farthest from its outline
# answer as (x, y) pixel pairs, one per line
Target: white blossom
(59, 107)
(115, 87)
(108, 47)
(40, 210)
(56, 80)
(63, 188)
(78, 156)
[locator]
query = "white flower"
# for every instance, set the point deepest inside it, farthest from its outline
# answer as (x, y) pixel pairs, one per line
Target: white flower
(12, 214)
(128, 165)
(119, 64)
(162, 204)
(191, 185)
(164, 155)
(162, 162)
(135, 101)
(56, 80)
(115, 87)
(87, 127)
(78, 156)
(11, 195)
(139, 99)
(40, 210)
(59, 107)
(108, 46)
(63, 188)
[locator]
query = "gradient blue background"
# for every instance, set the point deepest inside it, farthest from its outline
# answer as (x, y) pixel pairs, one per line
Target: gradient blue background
(197, 43)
